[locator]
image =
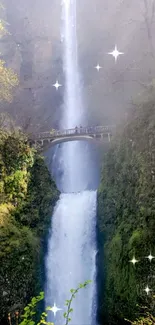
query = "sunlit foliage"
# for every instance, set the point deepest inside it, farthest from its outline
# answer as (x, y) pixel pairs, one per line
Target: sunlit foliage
(3, 30)
(8, 79)
(146, 319)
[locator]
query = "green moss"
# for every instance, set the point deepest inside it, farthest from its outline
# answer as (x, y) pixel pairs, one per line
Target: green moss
(126, 217)
(136, 238)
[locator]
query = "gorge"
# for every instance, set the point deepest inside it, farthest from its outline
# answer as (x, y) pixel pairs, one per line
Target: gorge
(63, 220)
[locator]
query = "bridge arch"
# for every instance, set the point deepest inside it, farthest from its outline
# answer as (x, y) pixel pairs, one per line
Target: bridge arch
(75, 138)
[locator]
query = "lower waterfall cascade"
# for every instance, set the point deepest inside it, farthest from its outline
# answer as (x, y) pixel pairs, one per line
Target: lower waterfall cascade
(71, 256)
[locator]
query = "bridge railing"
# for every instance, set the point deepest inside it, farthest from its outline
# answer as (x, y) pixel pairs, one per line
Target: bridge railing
(76, 130)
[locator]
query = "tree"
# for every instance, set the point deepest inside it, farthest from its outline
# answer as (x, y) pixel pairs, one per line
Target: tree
(8, 79)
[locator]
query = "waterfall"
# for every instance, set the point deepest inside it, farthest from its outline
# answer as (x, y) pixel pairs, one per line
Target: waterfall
(72, 242)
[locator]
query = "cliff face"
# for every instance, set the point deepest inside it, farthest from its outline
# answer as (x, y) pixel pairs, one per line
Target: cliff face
(34, 49)
(126, 222)
(27, 197)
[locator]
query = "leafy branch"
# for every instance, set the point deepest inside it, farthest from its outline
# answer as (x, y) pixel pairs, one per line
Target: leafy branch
(69, 302)
(30, 309)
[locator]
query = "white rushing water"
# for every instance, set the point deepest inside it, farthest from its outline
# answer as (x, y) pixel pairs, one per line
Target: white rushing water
(72, 245)
(71, 257)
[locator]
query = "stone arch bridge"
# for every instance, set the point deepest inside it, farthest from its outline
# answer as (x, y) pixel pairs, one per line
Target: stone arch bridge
(45, 140)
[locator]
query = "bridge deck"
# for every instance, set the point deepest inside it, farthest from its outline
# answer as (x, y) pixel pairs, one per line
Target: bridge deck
(71, 132)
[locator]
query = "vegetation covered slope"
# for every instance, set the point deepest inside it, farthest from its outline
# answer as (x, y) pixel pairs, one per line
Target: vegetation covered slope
(126, 219)
(27, 196)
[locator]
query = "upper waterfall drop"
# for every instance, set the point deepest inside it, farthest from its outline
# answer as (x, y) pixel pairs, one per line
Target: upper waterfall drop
(73, 110)
(77, 167)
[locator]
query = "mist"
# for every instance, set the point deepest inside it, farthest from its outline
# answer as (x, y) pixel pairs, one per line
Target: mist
(34, 50)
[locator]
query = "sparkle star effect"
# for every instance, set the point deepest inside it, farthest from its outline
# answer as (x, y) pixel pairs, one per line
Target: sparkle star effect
(115, 53)
(134, 261)
(55, 309)
(57, 85)
(150, 257)
(98, 67)
(147, 290)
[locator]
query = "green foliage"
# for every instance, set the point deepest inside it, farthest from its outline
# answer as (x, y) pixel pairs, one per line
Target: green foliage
(30, 310)
(126, 210)
(146, 319)
(27, 197)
